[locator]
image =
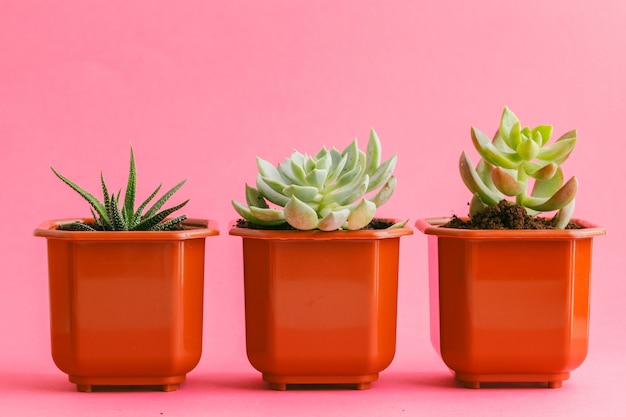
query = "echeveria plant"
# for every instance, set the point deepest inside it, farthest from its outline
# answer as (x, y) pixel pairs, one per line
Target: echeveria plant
(111, 215)
(520, 165)
(326, 191)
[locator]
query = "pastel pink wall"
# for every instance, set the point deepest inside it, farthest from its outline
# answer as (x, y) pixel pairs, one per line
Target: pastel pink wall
(199, 88)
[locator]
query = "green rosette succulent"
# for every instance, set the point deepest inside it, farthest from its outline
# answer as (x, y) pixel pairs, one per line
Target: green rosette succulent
(326, 191)
(522, 166)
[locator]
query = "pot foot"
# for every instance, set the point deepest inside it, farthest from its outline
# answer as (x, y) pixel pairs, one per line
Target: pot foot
(278, 386)
(83, 388)
(359, 382)
(475, 381)
(359, 387)
(164, 384)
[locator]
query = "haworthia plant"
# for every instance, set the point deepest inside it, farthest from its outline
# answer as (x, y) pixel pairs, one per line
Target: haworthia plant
(521, 166)
(111, 214)
(326, 191)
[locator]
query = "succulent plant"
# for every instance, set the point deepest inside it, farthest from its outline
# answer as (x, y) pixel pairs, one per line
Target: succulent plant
(110, 215)
(325, 191)
(521, 166)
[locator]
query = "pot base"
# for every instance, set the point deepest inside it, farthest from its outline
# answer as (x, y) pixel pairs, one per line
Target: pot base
(358, 382)
(167, 384)
(475, 380)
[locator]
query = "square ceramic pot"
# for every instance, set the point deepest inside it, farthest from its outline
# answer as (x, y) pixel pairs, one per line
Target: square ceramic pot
(510, 305)
(126, 307)
(320, 307)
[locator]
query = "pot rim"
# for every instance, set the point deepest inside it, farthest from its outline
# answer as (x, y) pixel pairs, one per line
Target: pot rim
(431, 226)
(319, 234)
(196, 229)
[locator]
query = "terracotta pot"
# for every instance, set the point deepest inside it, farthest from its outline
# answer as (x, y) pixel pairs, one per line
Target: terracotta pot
(320, 306)
(510, 306)
(126, 307)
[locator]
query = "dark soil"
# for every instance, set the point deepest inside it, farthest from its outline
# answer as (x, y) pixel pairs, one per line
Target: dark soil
(72, 227)
(375, 224)
(505, 216)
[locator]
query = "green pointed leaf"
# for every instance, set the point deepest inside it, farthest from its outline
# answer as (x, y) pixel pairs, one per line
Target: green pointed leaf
(149, 222)
(541, 171)
(476, 205)
(267, 214)
(362, 215)
(142, 206)
(338, 163)
(334, 220)
(299, 173)
(297, 157)
(483, 169)
(475, 184)
(515, 136)
(572, 134)
(286, 171)
(348, 194)
(268, 170)
(275, 185)
(302, 192)
(545, 131)
(254, 198)
(565, 215)
(382, 174)
(505, 182)
(321, 154)
(347, 179)
(169, 224)
(308, 164)
(373, 153)
(488, 151)
(117, 220)
(384, 193)
(160, 202)
(500, 144)
(244, 212)
(316, 177)
(398, 225)
(568, 135)
(352, 154)
(545, 188)
(528, 149)
(269, 193)
(507, 121)
(559, 150)
(323, 160)
(97, 219)
(560, 199)
(77, 226)
(129, 198)
(93, 201)
(104, 216)
(299, 215)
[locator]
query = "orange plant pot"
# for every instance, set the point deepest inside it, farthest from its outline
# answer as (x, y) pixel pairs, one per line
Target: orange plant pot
(510, 306)
(320, 307)
(126, 307)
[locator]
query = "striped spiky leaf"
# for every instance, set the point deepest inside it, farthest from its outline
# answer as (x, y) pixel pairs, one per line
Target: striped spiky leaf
(110, 215)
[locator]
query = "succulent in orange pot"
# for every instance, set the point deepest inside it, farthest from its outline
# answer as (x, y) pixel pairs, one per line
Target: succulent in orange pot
(126, 289)
(320, 271)
(509, 288)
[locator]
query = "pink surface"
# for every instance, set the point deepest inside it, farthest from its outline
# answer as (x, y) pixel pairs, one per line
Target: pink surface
(200, 88)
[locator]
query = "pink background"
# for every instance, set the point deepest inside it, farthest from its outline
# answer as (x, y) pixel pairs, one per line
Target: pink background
(201, 87)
